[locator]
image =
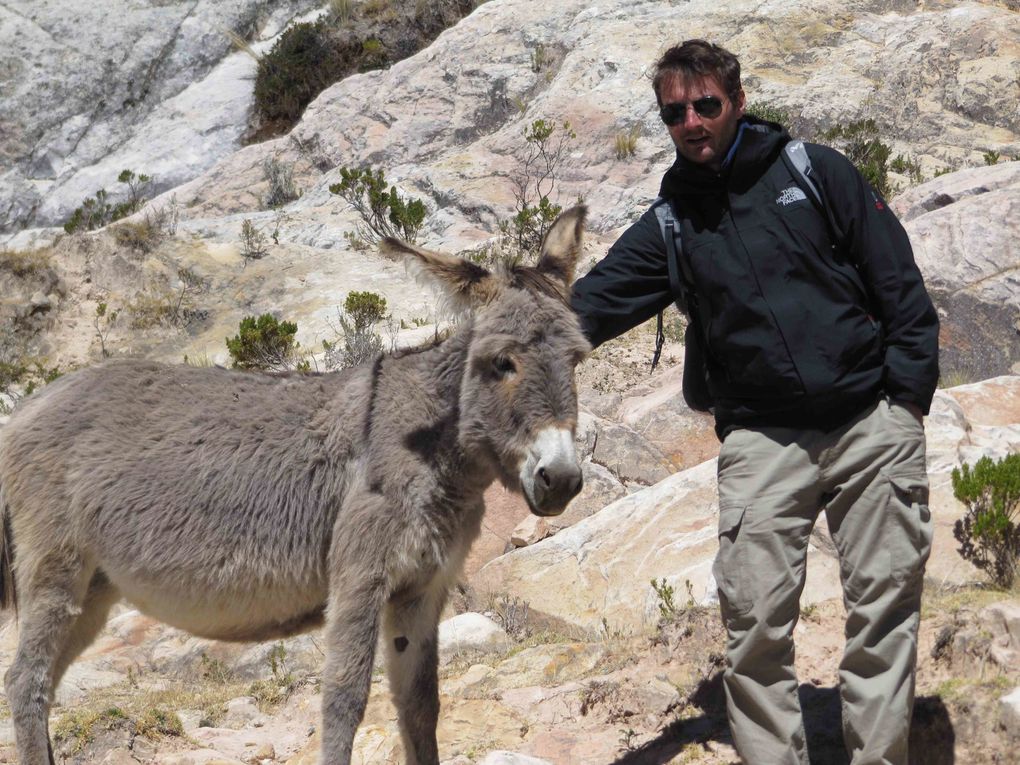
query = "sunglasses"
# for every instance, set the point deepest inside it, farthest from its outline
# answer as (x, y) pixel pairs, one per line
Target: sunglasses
(708, 107)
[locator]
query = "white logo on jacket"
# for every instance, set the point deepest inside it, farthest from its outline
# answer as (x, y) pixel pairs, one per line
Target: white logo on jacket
(790, 195)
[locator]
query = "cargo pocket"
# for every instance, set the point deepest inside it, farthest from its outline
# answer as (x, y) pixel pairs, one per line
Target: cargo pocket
(908, 524)
(730, 568)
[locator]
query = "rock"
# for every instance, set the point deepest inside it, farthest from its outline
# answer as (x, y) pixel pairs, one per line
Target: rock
(532, 529)
(1002, 620)
(242, 711)
(118, 757)
(629, 456)
(471, 632)
(264, 752)
(152, 87)
(511, 758)
(1009, 712)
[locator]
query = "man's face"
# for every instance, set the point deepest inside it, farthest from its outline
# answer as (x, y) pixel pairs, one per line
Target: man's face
(701, 139)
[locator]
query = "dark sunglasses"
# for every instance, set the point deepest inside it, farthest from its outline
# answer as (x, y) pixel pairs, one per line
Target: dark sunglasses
(708, 107)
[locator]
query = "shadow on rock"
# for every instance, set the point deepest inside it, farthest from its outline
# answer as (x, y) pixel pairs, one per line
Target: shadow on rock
(709, 726)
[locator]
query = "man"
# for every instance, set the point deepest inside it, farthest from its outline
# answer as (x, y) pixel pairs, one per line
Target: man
(820, 345)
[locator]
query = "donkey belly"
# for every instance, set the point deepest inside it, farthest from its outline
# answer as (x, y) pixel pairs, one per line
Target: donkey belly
(261, 612)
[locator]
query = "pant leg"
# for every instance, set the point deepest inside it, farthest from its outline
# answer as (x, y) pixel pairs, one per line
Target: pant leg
(881, 526)
(768, 501)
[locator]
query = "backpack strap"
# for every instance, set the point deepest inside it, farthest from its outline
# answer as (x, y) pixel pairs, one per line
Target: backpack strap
(674, 244)
(798, 162)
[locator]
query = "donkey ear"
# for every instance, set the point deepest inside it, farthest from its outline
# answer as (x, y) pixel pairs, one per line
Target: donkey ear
(562, 245)
(465, 284)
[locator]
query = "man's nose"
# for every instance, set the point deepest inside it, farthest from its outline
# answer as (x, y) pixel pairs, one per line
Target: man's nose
(691, 117)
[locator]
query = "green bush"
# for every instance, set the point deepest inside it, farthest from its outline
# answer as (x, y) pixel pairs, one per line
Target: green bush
(365, 308)
(860, 141)
(263, 343)
(988, 534)
(356, 341)
(304, 61)
(534, 181)
(770, 112)
(96, 212)
(384, 212)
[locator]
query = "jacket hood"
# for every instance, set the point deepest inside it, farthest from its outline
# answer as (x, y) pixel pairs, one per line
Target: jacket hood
(757, 144)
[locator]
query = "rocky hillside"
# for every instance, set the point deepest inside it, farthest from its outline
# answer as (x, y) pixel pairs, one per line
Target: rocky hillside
(557, 648)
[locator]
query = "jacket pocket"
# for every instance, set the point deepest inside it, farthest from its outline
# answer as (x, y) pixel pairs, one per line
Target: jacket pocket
(730, 567)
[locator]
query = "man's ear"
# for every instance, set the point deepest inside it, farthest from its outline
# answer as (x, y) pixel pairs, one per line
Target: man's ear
(741, 103)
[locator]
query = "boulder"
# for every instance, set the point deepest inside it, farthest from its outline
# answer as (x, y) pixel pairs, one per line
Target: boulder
(1009, 713)
(471, 632)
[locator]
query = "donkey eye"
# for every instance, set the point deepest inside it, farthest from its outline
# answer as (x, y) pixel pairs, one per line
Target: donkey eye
(504, 365)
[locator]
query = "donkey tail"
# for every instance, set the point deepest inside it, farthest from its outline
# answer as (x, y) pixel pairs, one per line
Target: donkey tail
(8, 595)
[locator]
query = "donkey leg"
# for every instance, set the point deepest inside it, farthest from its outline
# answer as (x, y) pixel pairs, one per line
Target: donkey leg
(51, 603)
(352, 628)
(96, 607)
(412, 653)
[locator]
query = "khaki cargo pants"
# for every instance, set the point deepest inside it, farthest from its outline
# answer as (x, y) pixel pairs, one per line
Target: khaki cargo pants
(869, 476)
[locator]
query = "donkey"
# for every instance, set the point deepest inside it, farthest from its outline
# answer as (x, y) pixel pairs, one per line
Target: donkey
(241, 506)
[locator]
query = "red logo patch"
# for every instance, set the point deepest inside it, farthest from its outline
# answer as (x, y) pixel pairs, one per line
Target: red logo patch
(879, 205)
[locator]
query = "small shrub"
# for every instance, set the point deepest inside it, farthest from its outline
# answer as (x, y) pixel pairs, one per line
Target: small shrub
(97, 211)
(21, 374)
(908, 167)
(626, 143)
(156, 723)
(214, 670)
(25, 263)
(988, 534)
(140, 237)
(78, 727)
(263, 343)
(341, 11)
(512, 613)
(991, 157)
(540, 59)
(373, 54)
(103, 321)
(533, 182)
(861, 143)
(943, 171)
(384, 212)
(356, 340)
(170, 305)
(365, 308)
(280, 176)
(165, 218)
(377, 8)
(769, 111)
(253, 242)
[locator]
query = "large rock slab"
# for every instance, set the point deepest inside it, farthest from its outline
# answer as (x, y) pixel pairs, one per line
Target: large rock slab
(90, 90)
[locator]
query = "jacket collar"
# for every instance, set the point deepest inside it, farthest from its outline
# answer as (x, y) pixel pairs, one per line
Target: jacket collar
(753, 150)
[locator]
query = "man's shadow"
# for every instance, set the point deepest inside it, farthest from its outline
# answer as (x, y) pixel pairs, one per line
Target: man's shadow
(932, 737)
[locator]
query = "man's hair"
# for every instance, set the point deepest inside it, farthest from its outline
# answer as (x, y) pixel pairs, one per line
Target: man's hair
(698, 58)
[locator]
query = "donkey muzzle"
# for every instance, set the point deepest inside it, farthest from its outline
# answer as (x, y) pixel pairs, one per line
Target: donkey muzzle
(551, 474)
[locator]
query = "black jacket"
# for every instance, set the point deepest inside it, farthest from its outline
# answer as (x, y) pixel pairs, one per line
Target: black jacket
(796, 332)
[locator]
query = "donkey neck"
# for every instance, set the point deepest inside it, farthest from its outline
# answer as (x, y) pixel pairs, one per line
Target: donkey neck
(417, 394)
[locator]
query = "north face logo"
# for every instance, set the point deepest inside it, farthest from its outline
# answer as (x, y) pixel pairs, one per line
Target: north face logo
(790, 195)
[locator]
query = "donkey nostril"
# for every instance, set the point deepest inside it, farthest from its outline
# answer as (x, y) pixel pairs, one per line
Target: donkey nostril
(545, 477)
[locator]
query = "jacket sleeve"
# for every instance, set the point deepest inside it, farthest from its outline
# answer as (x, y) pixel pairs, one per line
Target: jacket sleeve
(627, 287)
(878, 245)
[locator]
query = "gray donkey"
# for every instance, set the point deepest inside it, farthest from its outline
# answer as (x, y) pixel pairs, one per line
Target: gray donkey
(241, 506)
